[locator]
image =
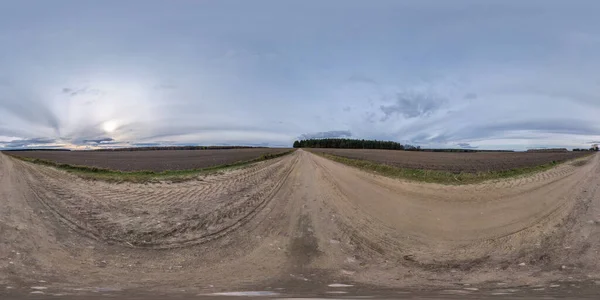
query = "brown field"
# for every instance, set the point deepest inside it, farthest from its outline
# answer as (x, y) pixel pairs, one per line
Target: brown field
(151, 160)
(298, 225)
(454, 162)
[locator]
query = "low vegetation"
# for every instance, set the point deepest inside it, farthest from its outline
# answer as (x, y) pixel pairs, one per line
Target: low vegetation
(94, 173)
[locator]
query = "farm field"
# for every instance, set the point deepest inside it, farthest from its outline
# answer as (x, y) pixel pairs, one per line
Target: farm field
(453, 162)
(151, 160)
(294, 225)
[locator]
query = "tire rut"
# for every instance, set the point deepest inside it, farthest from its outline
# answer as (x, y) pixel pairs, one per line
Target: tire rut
(302, 214)
(164, 216)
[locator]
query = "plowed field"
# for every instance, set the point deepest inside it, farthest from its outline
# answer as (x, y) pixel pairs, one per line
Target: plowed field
(454, 162)
(152, 160)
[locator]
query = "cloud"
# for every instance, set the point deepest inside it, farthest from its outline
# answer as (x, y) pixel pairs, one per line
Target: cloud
(470, 96)
(165, 86)
(445, 132)
(428, 138)
(471, 76)
(327, 134)
(361, 79)
(147, 144)
(545, 125)
(26, 143)
(99, 141)
(412, 105)
(466, 146)
(31, 110)
(86, 132)
(81, 91)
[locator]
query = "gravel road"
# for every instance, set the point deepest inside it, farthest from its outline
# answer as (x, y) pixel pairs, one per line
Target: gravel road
(299, 225)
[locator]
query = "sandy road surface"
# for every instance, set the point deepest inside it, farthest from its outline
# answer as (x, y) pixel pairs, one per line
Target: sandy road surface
(296, 223)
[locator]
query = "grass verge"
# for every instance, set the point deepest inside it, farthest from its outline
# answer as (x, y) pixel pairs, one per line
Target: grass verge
(443, 177)
(94, 173)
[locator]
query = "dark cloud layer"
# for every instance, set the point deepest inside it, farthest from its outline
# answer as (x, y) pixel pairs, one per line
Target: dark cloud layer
(88, 133)
(412, 105)
(98, 141)
(327, 134)
(26, 143)
(466, 146)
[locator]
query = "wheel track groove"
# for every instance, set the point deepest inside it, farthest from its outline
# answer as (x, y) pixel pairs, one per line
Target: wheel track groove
(105, 198)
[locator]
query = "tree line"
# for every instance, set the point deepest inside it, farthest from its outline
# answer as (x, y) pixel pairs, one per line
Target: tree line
(585, 149)
(375, 144)
(353, 144)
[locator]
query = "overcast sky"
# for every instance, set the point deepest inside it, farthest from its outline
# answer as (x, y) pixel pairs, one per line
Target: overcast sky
(487, 74)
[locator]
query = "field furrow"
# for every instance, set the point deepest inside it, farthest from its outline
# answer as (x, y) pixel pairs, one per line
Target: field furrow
(166, 215)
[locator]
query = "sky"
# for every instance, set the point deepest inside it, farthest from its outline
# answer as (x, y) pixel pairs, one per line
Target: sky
(445, 74)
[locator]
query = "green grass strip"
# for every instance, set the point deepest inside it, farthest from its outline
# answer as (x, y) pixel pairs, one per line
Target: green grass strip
(442, 177)
(94, 173)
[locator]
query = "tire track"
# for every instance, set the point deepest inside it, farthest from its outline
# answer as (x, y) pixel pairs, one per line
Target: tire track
(169, 216)
(301, 215)
(451, 223)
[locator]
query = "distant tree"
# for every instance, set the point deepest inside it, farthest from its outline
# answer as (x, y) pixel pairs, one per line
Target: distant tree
(348, 144)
